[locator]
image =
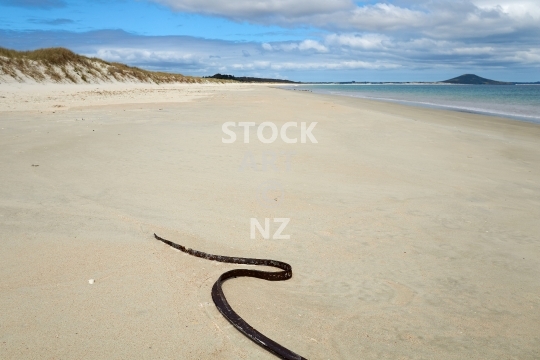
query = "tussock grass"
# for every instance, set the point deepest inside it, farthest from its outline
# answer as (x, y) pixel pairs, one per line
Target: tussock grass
(63, 65)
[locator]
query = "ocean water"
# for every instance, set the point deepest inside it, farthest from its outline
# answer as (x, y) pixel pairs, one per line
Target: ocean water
(521, 102)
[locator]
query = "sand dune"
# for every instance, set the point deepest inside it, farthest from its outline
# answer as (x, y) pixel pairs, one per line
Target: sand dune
(59, 65)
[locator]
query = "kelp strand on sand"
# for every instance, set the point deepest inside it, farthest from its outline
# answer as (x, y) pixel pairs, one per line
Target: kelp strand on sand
(223, 306)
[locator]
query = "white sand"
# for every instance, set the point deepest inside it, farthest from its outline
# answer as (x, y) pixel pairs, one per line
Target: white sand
(414, 232)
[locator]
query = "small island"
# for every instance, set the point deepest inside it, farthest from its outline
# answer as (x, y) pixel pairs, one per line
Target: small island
(471, 79)
(248, 79)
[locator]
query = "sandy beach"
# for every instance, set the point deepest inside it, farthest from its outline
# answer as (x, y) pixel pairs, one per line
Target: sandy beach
(414, 232)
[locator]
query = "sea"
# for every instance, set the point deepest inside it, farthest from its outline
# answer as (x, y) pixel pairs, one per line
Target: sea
(519, 102)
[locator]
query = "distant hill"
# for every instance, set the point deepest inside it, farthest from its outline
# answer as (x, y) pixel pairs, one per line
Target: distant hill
(471, 79)
(248, 79)
(64, 66)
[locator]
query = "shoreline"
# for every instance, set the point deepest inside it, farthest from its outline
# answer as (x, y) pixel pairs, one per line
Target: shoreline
(525, 118)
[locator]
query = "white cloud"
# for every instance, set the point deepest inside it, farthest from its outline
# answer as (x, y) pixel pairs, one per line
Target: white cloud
(267, 46)
(134, 56)
(364, 41)
(485, 50)
(312, 45)
(305, 45)
(514, 8)
(383, 17)
(286, 46)
(441, 19)
(531, 57)
(263, 10)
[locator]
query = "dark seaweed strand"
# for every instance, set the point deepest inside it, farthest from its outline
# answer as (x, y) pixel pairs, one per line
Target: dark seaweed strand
(223, 306)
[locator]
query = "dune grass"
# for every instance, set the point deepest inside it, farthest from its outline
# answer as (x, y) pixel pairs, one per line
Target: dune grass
(63, 65)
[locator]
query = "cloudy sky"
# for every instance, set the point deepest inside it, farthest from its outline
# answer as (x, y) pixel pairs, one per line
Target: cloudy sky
(304, 40)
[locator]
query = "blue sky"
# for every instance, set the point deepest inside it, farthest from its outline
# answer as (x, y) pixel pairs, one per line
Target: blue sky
(305, 40)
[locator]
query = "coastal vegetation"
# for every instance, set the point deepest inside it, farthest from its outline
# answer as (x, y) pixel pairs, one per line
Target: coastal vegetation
(249, 79)
(64, 66)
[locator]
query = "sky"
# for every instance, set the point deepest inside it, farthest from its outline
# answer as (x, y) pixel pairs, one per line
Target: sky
(301, 40)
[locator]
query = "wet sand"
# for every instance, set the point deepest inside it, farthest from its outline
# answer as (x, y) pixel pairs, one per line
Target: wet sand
(414, 232)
